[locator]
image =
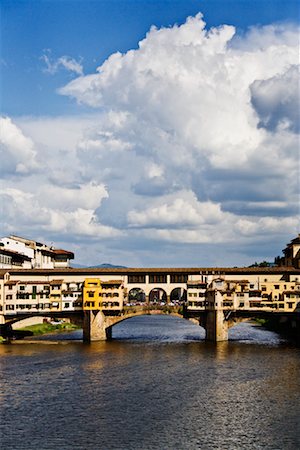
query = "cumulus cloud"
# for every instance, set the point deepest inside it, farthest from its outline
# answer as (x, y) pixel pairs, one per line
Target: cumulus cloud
(276, 100)
(180, 211)
(17, 151)
(33, 213)
(192, 140)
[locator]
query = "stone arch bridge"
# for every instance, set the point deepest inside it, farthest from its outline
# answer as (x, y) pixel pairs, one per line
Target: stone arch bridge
(97, 325)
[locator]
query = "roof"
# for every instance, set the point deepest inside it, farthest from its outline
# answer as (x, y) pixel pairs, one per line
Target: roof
(165, 270)
(61, 252)
(55, 282)
(296, 240)
(195, 283)
(112, 282)
(293, 242)
(237, 281)
(14, 254)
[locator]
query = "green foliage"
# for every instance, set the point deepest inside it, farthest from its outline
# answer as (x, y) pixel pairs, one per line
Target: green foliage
(262, 264)
(44, 328)
(261, 322)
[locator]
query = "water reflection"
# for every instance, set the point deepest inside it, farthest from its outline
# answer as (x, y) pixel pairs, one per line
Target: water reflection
(157, 385)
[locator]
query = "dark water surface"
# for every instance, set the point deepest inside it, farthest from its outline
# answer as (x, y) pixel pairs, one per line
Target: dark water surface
(157, 386)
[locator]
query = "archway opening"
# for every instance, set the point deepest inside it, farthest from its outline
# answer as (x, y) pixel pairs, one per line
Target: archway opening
(158, 297)
(158, 327)
(136, 296)
(178, 296)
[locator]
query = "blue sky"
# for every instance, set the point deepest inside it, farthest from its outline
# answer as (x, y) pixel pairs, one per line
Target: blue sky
(92, 30)
(177, 146)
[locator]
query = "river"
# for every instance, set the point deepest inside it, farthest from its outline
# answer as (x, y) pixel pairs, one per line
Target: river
(157, 386)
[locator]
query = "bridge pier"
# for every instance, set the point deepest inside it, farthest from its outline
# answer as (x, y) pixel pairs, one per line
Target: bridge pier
(96, 326)
(216, 326)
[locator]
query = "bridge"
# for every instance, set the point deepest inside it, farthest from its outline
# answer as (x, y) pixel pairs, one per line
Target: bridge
(97, 325)
(97, 299)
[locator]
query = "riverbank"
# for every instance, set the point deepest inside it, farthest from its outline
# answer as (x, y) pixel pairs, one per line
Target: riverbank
(281, 326)
(41, 329)
(46, 328)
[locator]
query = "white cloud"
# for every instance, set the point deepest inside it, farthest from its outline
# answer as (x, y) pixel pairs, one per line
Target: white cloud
(276, 100)
(192, 139)
(17, 151)
(66, 62)
(178, 211)
(29, 213)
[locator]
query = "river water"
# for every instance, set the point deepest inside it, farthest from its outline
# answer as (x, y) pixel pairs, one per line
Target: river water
(156, 386)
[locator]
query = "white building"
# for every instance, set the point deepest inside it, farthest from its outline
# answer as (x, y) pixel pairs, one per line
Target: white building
(16, 251)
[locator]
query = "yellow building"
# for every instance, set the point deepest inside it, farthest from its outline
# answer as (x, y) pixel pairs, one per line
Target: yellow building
(103, 295)
(92, 294)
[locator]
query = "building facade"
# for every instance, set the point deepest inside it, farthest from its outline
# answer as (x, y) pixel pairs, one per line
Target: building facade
(68, 290)
(16, 251)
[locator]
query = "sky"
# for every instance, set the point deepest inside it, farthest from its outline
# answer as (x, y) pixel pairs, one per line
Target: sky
(151, 133)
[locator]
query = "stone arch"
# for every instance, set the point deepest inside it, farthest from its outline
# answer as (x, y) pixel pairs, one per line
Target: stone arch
(136, 296)
(158, 296)
(238, 320)
(75, 317)
(178, 296)
(111, 323)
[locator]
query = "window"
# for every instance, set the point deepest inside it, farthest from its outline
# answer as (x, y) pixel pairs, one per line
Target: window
(158, 278)
(91, 294)
(178, 278)
(136, 278)
(10, 307)
(90, 304)
(22, 288)
(276, 286)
